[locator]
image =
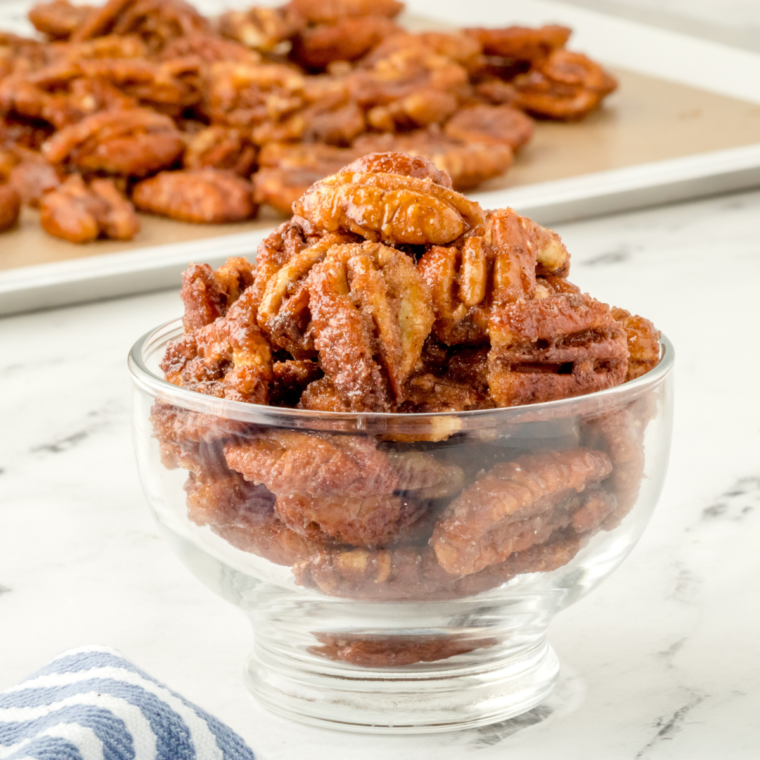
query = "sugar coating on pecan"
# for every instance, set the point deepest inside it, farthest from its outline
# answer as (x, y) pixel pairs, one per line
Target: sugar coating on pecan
(207, 294)
(229, 358)
(130, 143)
(388, 207)
(314, 465)
(291, 379)
(371, 314)
(201, 196)
(556, 347)
(621, 435)
(358, 521)
(520, 43)
(489, 124)
(493, 266)
(511, 503)
(81, 213)
(243, 515)
(643, 342)
(220, 148)
(345, 40)
(565, 86)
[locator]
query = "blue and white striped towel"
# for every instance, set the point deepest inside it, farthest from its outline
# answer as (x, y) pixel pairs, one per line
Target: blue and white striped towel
(92, 704)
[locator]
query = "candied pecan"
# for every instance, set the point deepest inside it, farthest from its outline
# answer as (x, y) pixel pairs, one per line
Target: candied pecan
(229, 358)
(371, 315)
(621, 435)
(422, 476)
(10, 207)
(130, 143)
(291, 378)
(243, 515)
(80, 213)
(359, 521)
(283, 311)
(207, 295)
(327, 11)
(264, 99)
(410, 573)
(545, 557)
(157, 22)
(288, 171)
(403, 164)
(345, 40)
(379, 651)
(413, 87)
(208, 49)
(488, 269)
(496, 92)
(201, 196)
(16, 132)
(556, 347)
(261, 28)
(486, 124)
(547, 284)
(521, 43)
(170, 87)
(462, 48)
(59, 19)
(565, 86)
(388, 207)
(319, 466)
(322, 396)
(468, 164)
(220, 148)
(330, 115)
(470, 366)
(33, 177)
(189, 431)
(23, 99)
(428, 393)
(405, 572)
(643, 342)
(513, 506)
(273, 253)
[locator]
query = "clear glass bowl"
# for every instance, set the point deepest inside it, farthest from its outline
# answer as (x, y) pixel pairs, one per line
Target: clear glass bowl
(361, 620)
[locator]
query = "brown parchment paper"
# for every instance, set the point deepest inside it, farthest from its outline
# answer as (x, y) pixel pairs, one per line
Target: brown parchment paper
(646, 120)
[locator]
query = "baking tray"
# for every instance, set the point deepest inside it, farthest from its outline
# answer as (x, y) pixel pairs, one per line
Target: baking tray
(684, 123)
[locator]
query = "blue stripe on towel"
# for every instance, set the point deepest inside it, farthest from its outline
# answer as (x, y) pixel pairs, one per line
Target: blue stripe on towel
(93, 704)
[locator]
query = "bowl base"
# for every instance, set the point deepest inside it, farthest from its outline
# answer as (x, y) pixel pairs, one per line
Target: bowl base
(483, 687)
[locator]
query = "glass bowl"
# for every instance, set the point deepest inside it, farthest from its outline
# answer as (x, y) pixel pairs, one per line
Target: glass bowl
(400, 571)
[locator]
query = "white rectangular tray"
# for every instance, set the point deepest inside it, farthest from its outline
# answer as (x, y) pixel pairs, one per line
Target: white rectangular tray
(616, 42)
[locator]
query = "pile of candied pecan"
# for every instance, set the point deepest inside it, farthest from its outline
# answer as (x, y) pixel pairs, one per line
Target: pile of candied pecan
(388, 291)
(147, 104)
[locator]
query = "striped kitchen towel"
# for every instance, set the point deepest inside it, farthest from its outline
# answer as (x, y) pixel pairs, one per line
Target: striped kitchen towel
(92, 704)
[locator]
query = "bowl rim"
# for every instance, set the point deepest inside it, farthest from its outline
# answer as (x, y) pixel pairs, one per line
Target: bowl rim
(144, 379)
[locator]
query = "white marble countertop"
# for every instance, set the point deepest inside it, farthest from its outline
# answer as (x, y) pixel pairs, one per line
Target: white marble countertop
(662, 661)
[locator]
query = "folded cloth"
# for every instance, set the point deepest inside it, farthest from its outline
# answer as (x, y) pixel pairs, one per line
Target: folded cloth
(92, 704)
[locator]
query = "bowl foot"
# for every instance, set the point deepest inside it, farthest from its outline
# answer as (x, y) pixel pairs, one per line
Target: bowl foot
(480, 687)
